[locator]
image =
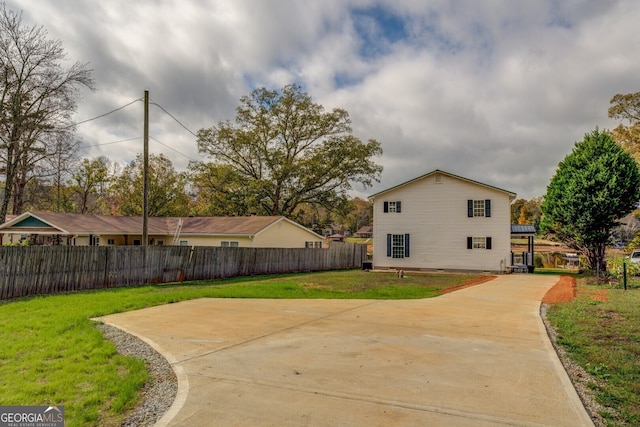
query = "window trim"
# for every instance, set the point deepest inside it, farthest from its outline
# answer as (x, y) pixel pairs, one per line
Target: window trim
(473, 242)
(387, 207)
(229, 243)
(478, 208)
(403, 251)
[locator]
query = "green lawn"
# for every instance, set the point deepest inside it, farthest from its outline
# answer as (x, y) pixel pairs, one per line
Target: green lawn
(604, 338)
(52, 354)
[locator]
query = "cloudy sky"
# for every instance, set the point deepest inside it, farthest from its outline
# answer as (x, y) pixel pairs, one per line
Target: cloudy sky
(493, 90)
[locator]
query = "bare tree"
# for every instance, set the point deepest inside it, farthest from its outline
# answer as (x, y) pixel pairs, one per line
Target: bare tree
(37, 98)
(59, 166)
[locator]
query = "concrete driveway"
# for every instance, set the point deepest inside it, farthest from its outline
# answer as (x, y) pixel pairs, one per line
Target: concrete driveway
(475, 357)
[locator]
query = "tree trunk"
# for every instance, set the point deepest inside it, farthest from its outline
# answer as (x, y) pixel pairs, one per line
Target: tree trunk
(595, 255)
(10, 174)
(21, 180)
(85, 202)
(18, 194)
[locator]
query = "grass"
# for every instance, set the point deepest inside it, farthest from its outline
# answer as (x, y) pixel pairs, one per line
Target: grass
(604, 338)
(52, 354)
(558, 271)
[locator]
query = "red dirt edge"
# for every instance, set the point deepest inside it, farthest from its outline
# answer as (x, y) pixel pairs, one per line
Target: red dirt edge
(563, 291)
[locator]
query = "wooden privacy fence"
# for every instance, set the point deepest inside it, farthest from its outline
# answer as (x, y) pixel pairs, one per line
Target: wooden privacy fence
(35, 270)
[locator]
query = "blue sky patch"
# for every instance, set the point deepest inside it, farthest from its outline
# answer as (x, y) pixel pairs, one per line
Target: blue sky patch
(378, 28)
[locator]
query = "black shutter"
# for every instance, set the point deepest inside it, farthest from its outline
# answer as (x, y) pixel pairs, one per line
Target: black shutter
(470, 208)
(386, 207)
(406, 246)
(469, 242)
(398, 207)
(487, 208)
(488, 243)
(388, 244)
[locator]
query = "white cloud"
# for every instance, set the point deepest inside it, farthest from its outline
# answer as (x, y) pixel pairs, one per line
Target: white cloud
(494, 90)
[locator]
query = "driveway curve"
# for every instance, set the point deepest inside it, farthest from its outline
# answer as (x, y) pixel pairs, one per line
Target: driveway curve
(476, 357)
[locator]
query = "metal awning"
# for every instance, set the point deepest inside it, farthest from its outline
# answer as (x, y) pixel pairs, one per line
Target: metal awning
(523, 229)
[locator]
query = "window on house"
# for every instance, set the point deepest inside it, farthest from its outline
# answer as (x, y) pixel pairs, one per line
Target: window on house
(229, 244)
(111, 242)
(184, 243)
(392, 207)
(313, 244)
(479, 242)
(160, 243)
(398, 245)
(478, 208)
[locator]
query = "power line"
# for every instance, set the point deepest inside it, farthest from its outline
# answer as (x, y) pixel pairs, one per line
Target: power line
(173, 117)
(173, 149)
(112, 142)
(103, 115)
(136, 138)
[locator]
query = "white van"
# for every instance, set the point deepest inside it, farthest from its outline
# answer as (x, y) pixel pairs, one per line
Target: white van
(635, 256)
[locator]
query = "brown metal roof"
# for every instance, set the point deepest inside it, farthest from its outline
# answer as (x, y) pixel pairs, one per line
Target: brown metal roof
(100, 224)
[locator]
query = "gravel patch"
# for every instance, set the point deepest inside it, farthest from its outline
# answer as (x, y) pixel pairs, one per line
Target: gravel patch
(160, 390)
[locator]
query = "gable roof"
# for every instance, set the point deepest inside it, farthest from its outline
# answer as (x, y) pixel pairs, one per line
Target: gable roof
(511, 195)
(65, 223)
(365, 229)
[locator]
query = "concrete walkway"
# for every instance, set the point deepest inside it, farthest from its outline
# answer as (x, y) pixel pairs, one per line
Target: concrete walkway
(475, 357)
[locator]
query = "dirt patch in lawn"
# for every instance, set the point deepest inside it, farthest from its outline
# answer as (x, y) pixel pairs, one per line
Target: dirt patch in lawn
(563, 291)
(476, 281)
(599, 294)
(566, 289)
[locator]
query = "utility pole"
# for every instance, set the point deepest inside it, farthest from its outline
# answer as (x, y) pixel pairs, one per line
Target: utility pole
(145, 174)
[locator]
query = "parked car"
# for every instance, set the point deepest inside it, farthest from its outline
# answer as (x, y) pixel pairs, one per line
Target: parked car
(635, 256)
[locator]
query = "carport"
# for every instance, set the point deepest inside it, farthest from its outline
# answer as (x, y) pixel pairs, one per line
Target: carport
(523, 261)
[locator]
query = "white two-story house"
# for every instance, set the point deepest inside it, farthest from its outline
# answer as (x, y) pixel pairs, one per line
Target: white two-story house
(442, 221)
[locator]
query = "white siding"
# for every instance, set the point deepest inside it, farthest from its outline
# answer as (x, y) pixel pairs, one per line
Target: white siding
(435, 217)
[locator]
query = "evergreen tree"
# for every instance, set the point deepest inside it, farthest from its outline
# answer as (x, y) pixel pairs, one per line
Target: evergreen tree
(596, 185)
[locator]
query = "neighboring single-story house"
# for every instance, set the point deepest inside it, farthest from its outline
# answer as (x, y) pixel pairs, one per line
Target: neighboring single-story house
(46, 228)
(442, 221)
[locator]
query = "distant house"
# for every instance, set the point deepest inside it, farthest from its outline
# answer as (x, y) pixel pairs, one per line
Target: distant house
(46, 228)
(365, 232)
(442, 221)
